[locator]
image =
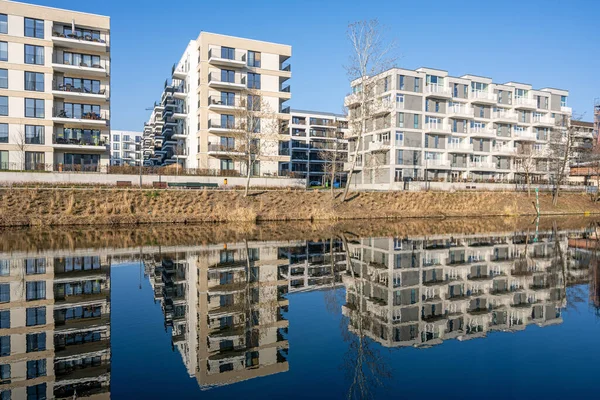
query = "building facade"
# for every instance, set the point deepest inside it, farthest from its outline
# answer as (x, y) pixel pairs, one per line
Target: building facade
(126, 148)
(317, 140)
(583, 141)
(54, 88)
(427, 125)
(196, 120)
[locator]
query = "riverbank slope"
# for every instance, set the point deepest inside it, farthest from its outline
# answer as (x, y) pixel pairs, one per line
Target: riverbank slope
(51, 206)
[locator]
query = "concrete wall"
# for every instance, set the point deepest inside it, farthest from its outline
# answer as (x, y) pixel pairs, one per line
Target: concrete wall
(106, 179)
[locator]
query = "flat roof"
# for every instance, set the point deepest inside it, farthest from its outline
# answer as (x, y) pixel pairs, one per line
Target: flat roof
(55, 8)
(324, 113)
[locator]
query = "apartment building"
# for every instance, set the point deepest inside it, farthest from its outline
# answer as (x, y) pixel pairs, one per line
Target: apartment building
(316, 142)
(583, 140)
(54, 88)
(420, 291)
(428, 125)
(54, 325)
(200, 112)
(126, 148)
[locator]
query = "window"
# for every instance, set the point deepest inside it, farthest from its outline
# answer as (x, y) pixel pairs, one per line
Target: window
(416, 121)
(3, 138)
(126, 138)
(4, 292)
(400, 120)
(400, 99)
(3, 51)
(79, 111)
(228, 53)
(3, 23)
(481, 112)
(80, 33)
(34, 108)
(227, 76)
(5, 319)
(34, 81)
(228, 98)
(5, 372)
(37, 392)
(34, 28)
(34, 134)
(4, 105)
(36, 290)
(253, 81)
(253, 102)
(563, 101)
(437, 106)
(116, 138)
(90, 160)
(4, 346)
(227, 164)
(36, 316)
(116, 146)
(417, 83)
(455, 90)
(254, 59)
(36, 368)
(400, 82)
(82, 60)
(3, 79)
(81, 85)
(34, 54)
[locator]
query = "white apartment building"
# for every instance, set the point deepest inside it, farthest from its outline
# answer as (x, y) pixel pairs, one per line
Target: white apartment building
(126, 148)
(317, 140)
(54, 88)
(194, 123)
(431, 126)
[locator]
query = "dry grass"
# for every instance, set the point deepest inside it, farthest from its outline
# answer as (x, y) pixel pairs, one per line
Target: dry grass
(44, 206)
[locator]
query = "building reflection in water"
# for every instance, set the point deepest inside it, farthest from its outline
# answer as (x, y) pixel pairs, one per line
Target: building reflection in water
(54, 325)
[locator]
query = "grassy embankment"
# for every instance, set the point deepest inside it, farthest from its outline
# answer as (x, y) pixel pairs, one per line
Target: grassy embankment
(23, 207)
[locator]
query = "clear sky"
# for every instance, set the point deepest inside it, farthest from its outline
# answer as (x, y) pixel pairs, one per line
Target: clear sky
(546, 43)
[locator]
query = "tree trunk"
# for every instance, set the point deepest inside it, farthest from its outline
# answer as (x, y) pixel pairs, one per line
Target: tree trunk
(248, 174)
(333, 171)
(528, 185)
(349, 180)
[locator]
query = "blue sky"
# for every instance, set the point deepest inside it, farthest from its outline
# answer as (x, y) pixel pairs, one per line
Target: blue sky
(546, 43)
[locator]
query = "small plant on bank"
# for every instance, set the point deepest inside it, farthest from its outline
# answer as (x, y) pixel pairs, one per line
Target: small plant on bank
(152, 194)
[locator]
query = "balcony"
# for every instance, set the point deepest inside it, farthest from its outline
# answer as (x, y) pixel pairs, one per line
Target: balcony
(217, 103)
(481, 96)
(482, 131)
(462, 146)
(436, 90)
(459, 110)
(100, 70)
(286, 67)
(524, 134)
(90, 118)
(227, 58)
(524, 102)
(437, 127)
(379, 146)
(284, 110)
(566, 109)
(178, 73)
(216, 150)
(179, 113)
(90, 143)
(543, 120)
(504, 116)
(216, 81)
(436, 162)
(81, 42)
(73, 93)
(504, 149)
(219, 127)
(481, 165)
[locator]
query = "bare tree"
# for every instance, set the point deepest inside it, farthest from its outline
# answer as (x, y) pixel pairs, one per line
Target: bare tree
(525, 161)
(560, 146)
(254, 132)
(370, 56)
(21, 145)
(333, 157)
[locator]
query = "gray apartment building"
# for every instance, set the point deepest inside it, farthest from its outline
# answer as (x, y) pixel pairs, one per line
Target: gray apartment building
(428, 125)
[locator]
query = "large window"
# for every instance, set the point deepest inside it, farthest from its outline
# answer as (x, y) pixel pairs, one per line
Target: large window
(35, 266)
(80, 136)
(116, 146)
(5, 372)
(4, 346)
(34, 28)
(228, 53)
(34, 161)
(228, 98)
(227, 76)
(254, 59)
(3, 23)
(4, 292)
(80, 85)
(36, 342)
(253, 81)
(81, 60)
(3, 79)
(5, 319)
(82, 159)
(34, 108)
(34, 54)
(36, 368)
(254, 102)
(3, 165)
(3, 51)
(34, 81)
(4, 133)
(563, 101)
(227, 165)
(34, 134)
(4, 105)
(36, 290)
(36, 316)
(37, 392)
(79, 111)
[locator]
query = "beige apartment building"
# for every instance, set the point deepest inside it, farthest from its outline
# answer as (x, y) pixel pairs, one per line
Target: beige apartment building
(428, 125)
(422, 290)
(210, 90)
(54, 88)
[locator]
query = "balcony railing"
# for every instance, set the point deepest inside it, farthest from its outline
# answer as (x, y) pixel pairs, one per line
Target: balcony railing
(460, 146)
(461, 110)
(524, 134)
(438, 89)
(220, 124)
(437, 126)
(483, 130)
(482, 95)
(436, 162)
(524, 101)
(222, 148)
(86, 38)
(286, 89)
(79, 141)
(383, 145)
(236, 55)
(60, 113)
(71, 89)
(237, 79)
(543, 119)
(285, 67)
(481, 164)
(60, 60)
(504, 149)
(284, 110)
(504, 115)
(218, 100)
